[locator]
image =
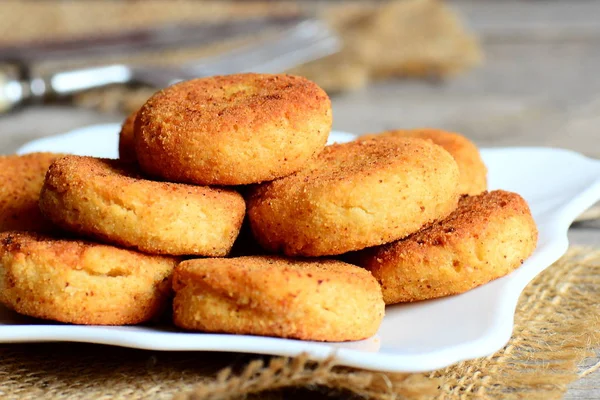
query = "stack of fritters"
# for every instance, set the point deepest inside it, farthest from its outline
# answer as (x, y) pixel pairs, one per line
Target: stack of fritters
(409, 208)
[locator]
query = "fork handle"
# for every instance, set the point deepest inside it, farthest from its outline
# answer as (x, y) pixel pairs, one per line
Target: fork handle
(19, 90)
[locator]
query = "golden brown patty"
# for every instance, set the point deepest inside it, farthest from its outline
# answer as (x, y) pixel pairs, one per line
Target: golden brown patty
(355, 195)
(21, 179)
(126, 145)
(81, 282)
(473, 172)
(321, 300)
(487, 237)
(108, 200)
(232, 130)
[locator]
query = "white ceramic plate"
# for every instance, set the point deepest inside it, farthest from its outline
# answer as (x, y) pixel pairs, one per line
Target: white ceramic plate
(558, 185)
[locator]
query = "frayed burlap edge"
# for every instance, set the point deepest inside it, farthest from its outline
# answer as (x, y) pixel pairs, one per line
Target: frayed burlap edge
(281, 373)
(556, 330)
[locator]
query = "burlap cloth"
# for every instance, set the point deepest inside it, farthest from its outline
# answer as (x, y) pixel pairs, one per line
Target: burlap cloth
(556, 331)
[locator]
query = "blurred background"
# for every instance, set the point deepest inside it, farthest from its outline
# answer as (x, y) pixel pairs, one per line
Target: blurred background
(503, 73)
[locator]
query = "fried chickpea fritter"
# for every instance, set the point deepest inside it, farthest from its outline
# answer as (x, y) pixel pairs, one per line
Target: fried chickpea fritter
(487, 237)
(322, 300)
(109, 201)
(126, 142)
(81, 282)
(473, 172)
(355, 195)
(21, 179)
(232, 130)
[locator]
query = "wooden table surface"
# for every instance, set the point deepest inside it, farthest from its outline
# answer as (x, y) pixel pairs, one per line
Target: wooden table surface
(540, 86)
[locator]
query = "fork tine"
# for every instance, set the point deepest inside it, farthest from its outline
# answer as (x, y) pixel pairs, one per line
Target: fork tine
(304, 42)
(308, 41)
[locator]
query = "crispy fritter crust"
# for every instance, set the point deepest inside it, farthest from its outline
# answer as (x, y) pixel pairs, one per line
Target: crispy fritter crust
(126, 144)
(232, 130)
(21, 179)
(355, 195)
(322, 300)
(109, 201)
(81, 282)
(487, 237)
(473, 172)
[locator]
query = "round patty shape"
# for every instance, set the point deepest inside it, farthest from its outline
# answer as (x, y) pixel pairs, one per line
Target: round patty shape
(322, 300)
(21, 179)
(126, 145)
(109, 201)
(81, 282)
(473, 172)
(355, 195)
(487, 237)
(232, 130)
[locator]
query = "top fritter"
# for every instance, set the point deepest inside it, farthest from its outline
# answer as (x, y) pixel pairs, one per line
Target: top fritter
(232, 130)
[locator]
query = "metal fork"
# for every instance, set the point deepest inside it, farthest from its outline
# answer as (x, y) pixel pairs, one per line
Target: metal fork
(309, 40)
